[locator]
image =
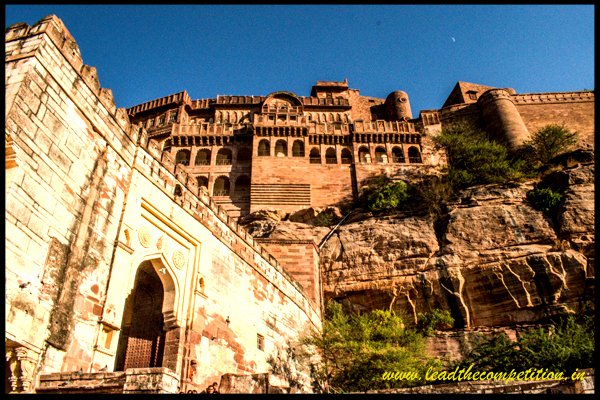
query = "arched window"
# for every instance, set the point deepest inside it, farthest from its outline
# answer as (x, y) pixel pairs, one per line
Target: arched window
(414, 155)
(330, 156)
(381, 155)
(244, 155)
(364, 156)
(264, 148)
(298, 149)
(183, 157)
(178, 191)
(202, 157)
(398, 155)
(346, 156)
(224, 157)
(167, 145)
(315, 156)
(202, 181)
(242, 186)
(221, 186)
(281, 148)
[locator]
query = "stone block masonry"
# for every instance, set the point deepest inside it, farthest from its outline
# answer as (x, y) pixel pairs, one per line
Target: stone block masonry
(85, 215)
(108, 209)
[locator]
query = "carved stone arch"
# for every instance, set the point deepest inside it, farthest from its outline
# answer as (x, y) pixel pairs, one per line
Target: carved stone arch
(285, 96)
(171, 285)
(150, 315)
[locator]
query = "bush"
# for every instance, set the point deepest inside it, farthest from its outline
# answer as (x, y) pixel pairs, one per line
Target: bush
(568, 345)
(325, 219)
(430, 196)
(429, 322)
(544, 200)
(549, 142)
(355, 352)
(474, 160)
(382, 193)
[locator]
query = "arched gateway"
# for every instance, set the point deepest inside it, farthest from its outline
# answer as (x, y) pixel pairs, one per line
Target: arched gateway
(143, 333)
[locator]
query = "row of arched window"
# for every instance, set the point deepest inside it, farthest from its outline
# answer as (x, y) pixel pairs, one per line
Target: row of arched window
(203, 157)
(244, 155)
(222, 186)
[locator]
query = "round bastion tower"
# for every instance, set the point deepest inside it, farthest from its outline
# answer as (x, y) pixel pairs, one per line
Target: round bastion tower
(397, 106)
(503, 121)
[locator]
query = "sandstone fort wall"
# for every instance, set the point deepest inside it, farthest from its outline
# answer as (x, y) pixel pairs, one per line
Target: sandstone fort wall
(87, 208)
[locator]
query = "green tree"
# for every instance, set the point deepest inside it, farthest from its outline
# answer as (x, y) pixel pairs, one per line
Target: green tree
(549, 142)
(473, 159)
(355, 351)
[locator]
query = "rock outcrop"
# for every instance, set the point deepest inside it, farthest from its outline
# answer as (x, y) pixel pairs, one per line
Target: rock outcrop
(494, 262)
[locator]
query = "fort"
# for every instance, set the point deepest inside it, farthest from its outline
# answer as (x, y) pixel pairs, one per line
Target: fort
(124, 257)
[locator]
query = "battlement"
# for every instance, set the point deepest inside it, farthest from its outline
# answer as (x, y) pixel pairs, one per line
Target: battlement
(554, 97)
(181, 97)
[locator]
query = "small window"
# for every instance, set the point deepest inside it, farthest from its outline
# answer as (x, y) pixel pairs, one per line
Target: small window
(106, 337)
(161, 120)
(150, 123)
(260, 342)
(172, 117)
(473, 95)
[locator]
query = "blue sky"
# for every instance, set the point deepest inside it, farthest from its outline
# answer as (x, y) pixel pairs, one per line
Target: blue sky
(143, 52)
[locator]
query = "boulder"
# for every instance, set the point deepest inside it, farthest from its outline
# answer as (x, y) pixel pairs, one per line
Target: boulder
(305, 215)
(272, 214)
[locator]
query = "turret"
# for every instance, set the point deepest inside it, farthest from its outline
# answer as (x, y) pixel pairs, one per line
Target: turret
(397, 106)
(503, 122)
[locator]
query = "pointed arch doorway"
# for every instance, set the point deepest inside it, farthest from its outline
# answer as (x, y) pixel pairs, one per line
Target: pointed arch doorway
(142, 340)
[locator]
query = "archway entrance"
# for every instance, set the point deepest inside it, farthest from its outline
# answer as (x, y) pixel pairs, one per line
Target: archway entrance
(142, 340)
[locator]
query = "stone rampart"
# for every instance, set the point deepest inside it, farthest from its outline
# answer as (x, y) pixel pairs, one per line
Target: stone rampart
(88, 194)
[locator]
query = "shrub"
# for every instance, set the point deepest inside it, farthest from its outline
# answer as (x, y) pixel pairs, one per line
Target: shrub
(382, 193)
(473, 159)
(429, 322)
(544, 200)
(549, 142)
(430, 196)
(355, 351)
(568, 345)
(325, 219)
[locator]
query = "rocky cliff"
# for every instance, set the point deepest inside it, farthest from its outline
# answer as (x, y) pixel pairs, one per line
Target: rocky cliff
(495, 262)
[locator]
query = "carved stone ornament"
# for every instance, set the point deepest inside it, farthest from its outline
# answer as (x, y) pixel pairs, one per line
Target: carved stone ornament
(145, 237)
(161, 244)
(178, 259)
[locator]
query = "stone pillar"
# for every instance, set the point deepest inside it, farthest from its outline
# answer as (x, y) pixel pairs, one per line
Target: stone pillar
(13, 365)
(21, 362)
(27, 362)
(503, 121)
